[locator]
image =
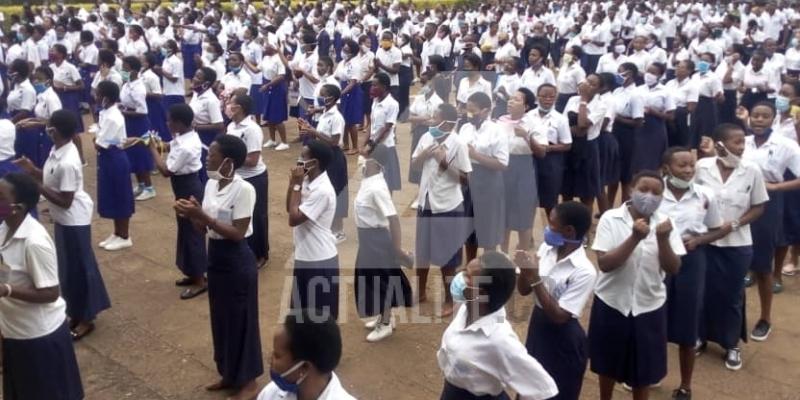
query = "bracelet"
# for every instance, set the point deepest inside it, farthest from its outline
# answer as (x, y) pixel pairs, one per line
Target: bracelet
(8, 288)
(537, 283)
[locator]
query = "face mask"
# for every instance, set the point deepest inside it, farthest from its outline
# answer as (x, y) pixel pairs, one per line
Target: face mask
(650, 79)
(39, 87)
(126, 75)
(217, 175)
(320, 102)
(730, 160)
(782, 103)
(281, 382)
(6, 210)
(365, 49)
(645, 203)
(556, 239)
(304, 164)
(619, 79)
(703, 66)
(164, 52)
(544, 111)
(457, 287)
(619, 49)
(679, 183)
(236, 70)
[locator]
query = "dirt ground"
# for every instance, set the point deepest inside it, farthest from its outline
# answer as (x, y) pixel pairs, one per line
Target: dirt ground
(151, 345)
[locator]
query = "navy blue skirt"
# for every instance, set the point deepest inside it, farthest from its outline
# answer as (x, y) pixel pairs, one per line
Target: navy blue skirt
(452, 392)
(767, 233)
(190, 250)
(274, 109)
(138, 155)
(550, 178)
(71, 100)
(649, 145)
(79, 277)
(352, 105)
(44, 368)
(380, 282)
(207, 136)
(582, 169)
(316, 286)
(521, 197)
(114, 191)
(439, 237)
(704, 119)
(791, 214)
(391, 170)
(727, 111)
(337, 172)
(171, 100)
(187, 52)
(563, 351)
(487, 192)
(233, 305)
(87, 78)
(258, 98)
(678, 131)
(626, 136)
(158, 118)
(608, 148)
(259, 240)
(561, 101)
(723, 315)
(34, 144)
(628, 349)
(685, 294)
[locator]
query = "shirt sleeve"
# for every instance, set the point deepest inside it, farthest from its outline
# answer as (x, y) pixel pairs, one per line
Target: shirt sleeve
(177, 158)
(383, 202)
(637, 105)
(69, 178)
(40, 260)
(579, 287)
(214, 112)
(564, 135)
(758, 195)
(713, 217)
(604, 237)
(675, 240)
(253, 139)
(522, 373)
(244, 202)
(461, 160)
(391, 113)
(315, 205)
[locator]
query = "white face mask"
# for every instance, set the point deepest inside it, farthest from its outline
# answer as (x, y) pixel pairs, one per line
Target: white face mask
(217, 175)
(650, 79)
(619, 49)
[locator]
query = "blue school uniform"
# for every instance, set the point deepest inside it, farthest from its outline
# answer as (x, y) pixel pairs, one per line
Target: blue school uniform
(649, 143)
(138, 155)
(275, 110)
(157, 117)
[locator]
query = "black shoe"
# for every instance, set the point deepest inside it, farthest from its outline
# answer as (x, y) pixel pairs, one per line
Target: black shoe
(733, 359)
(761, 332)
(682, 394)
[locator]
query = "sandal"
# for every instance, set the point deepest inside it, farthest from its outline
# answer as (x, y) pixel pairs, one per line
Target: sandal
(193, 292)
(77, 335)
(789, 270)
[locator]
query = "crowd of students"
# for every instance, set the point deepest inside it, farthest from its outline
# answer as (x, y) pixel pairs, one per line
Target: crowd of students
(677, 123)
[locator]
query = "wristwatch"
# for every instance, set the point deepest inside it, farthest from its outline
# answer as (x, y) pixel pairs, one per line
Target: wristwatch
(296, 188)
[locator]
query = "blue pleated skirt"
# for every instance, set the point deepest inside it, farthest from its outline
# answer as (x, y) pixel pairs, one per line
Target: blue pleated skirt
(190, 250)
(582, 170)
(44, 368)
(380, 282)
(86, 76)
(258, 98)
(550, 178)
(79, 277)
(649, 145)
(704, 119)
(628, 349)
(233, 305)
(34, 144)
(171, 100)
(71, 100)
(561, 101)
(563, 351)
(275, 108)
(138, 155)
(685, 295)
(259, 240)
(608, 149)
(767, 233)
(626, 139)
(316, 286)
(157, 117)
(723, 318)
(114, 191)
(189, 66)
(352, 105)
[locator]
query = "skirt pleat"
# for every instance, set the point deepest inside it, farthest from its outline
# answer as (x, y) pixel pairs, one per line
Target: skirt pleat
(114, 191)
(79, 277)
(190, 251)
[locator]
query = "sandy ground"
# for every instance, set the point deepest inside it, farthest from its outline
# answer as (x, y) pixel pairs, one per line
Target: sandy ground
(151, 345)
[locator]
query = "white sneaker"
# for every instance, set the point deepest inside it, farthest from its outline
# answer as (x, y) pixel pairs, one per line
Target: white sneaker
(282, 147)
(381, 331)
(146, 194)
(270, 144)
(137, 190)
(371, 324)
(93, 129)
(415, 205)
(107, 240)
(118, 243)
(340, 237)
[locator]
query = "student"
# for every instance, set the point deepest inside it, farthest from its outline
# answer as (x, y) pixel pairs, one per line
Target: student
(538, 72)
(628, 119)
(366, 57)
(383, 122)
(555, 337)
(685, 93)
(226, 214)
(67, 81)
(38, 357)
(480, 354)
(240, 111)
(191, 40)
(607, 145)
(610, 61)
(441, 229)
(659, 109)
(7, 157)
(380, 283)
(519, 180)
(171, 70)
(86, 55)
(155, 105)
(61, 183)
(420, 113)
(552, 127)
(742, 195)
(302, 65)
(330, 130)
(32, 141)
(274, 90)
(133, 105)
(758, 81)
(252, 53)
(473, 82)
(508, 81)
(405, 75)
(105, 72)
(207, 112)
(311, 205)
(114, 192)
(236, 81)
(352, 104)
(636, 247)
(181, 167)
(785, 125)
(695, 210)
(487, 147)
(21, 95)
(570, 78)
(709, 88)
(731, 72)
(775, 155)
(305, 352)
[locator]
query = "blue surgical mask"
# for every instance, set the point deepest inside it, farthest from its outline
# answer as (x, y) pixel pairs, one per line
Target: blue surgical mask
(39, 87)
(556, 239)
(164, 52)
(619, 79)
(236, 70)
(703, 66)
(126, 76)
(435, 132)
(782, 103)
(457, 287)
(320, 102)
(281, 382)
